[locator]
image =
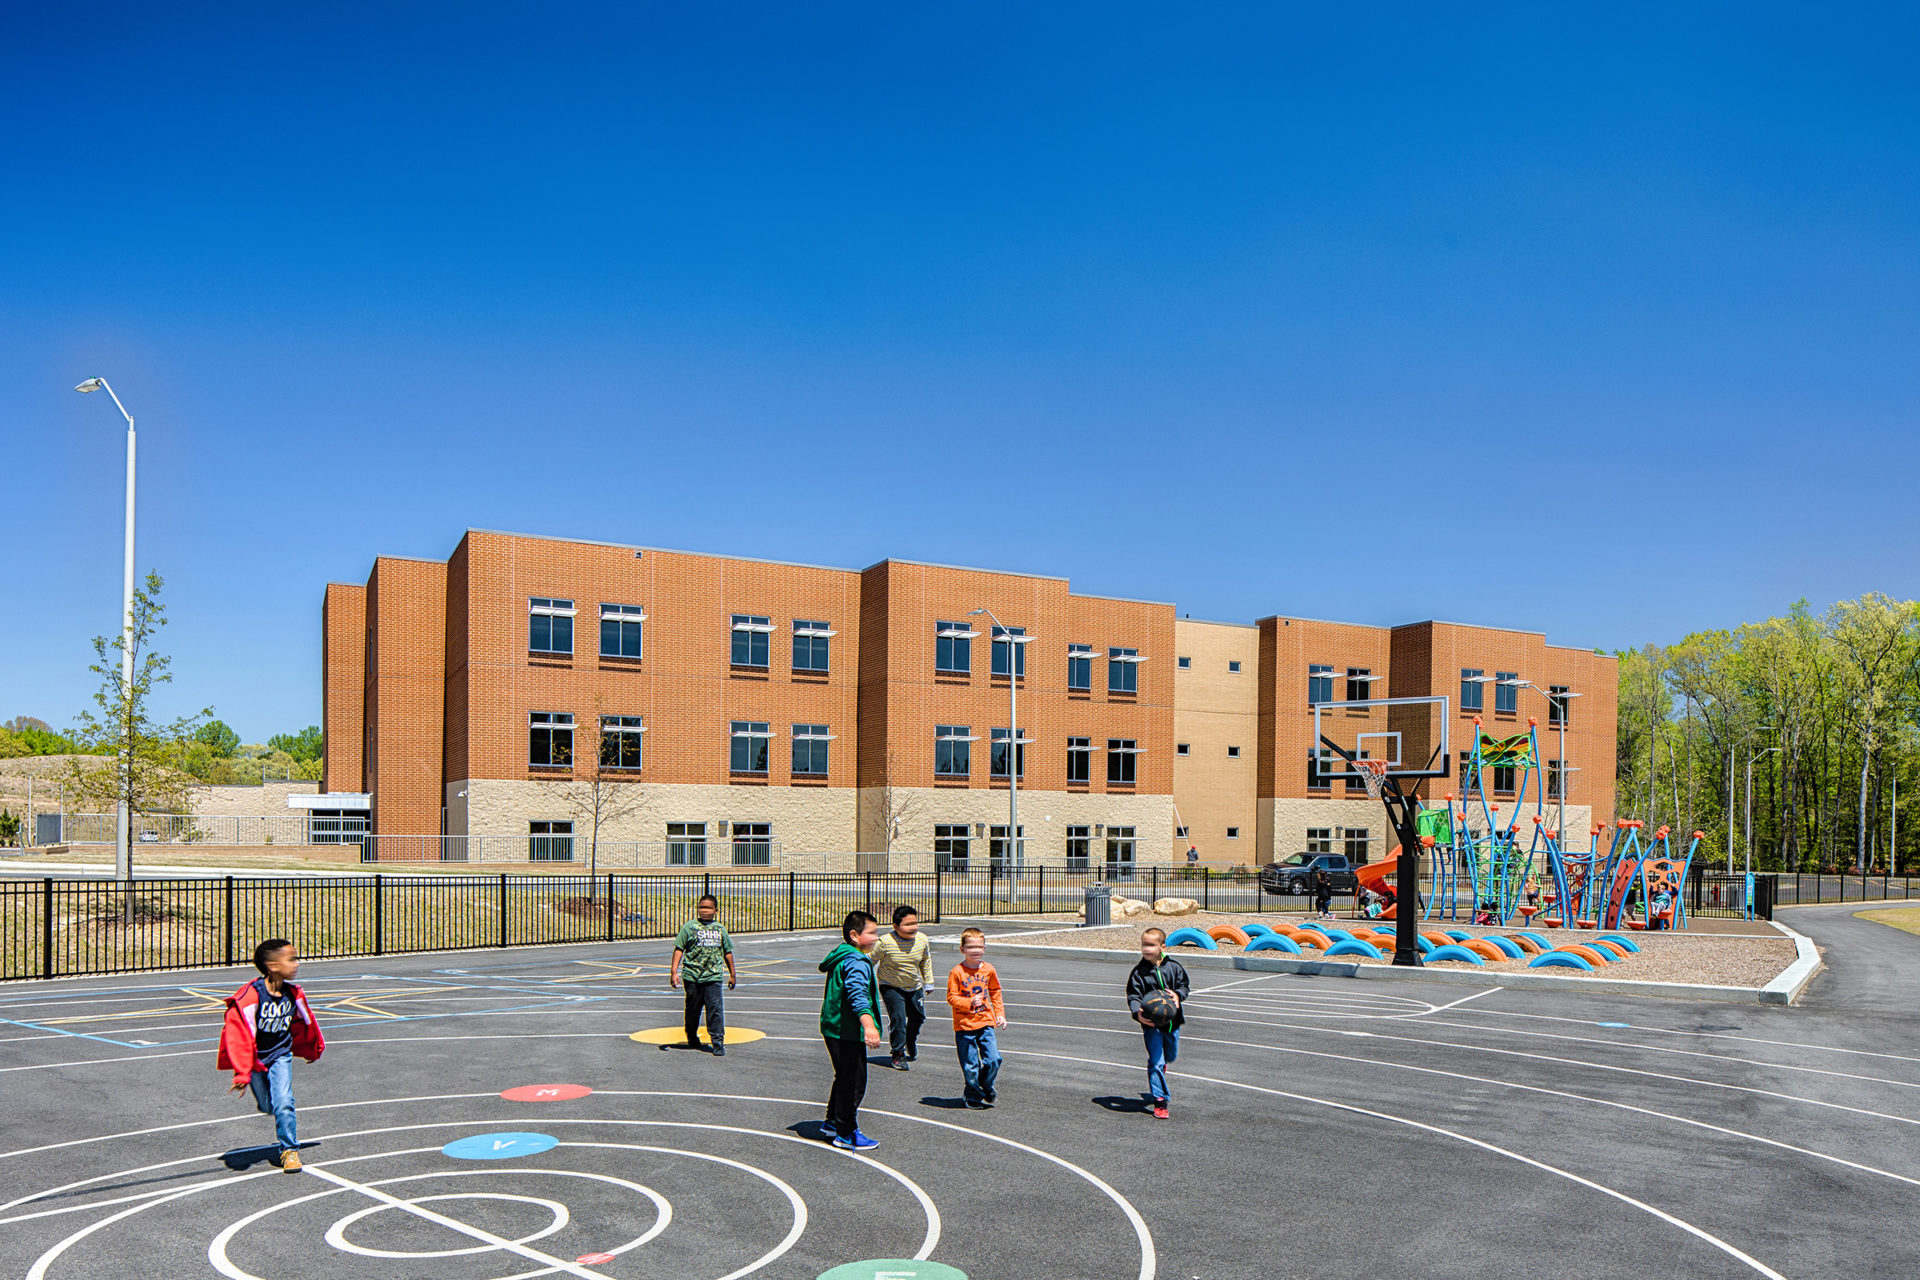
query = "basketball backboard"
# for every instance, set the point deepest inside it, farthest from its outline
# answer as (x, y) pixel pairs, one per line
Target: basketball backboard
(1410, 734)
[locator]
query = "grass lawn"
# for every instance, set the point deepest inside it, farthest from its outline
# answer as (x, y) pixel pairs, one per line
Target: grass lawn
(1907, 918)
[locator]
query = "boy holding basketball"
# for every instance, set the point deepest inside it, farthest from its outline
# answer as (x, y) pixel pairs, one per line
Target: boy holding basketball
(1157, 997)
(973, 993)
(269, 1022)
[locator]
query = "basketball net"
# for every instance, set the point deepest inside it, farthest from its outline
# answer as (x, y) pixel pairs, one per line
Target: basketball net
(1374, 774)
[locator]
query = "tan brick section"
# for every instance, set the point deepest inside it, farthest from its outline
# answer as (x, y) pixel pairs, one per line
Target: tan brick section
(430, 681)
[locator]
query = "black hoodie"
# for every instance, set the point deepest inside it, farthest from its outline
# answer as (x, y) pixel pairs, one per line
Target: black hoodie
(1168, 975)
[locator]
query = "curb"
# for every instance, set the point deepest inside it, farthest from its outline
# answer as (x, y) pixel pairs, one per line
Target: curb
(1454, 977)
(1792, 982)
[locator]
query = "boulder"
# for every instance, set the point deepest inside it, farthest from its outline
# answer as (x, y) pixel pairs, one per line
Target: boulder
(1130, 908)
(1175, 906)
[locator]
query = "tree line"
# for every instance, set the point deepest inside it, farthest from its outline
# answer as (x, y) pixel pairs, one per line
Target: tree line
(1821, 710)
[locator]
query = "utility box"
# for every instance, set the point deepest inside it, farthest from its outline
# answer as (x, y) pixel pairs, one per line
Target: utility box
(1099, 905)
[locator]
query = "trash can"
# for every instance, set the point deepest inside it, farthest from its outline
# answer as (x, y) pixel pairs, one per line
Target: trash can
(1099, 905)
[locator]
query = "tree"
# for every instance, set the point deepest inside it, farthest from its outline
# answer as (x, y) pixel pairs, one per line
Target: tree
(603, 792)
(1881, 646)
(143, 773)
(897, 804)
(308, 744)
(216, 735)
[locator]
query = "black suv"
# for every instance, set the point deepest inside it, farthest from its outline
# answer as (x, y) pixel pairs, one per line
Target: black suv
(1294, 873)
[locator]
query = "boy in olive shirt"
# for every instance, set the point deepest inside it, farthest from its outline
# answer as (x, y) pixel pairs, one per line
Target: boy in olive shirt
(903, 962)
(701, 952)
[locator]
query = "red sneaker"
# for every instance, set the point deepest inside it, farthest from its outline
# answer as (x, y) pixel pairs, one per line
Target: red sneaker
(1159, 1108)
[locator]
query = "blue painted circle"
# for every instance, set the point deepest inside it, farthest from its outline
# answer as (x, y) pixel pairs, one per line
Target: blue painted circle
(499, 1146)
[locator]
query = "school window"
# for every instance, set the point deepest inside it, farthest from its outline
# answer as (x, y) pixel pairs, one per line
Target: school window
(1356, 844)
(550, 842)
(1359, 684)
(998, 748)
(550, 739)
(1079, 667)
(997, 855)
(1319, 683)
(1009, 654)
(811, 638)
(620, 739)
(1469, 781)
(1473, 693)
(1553, 780)
(1503, 777)
(620, 630)
(1079, 760)
(953, 647)
(1233, 667)
(1319, 768)
(1233, 833)
(1120, 848)
(810, 749)
(1180, 833)
(1123, 671)
(950, 844)
(1506, 694)
(752, 634)
(1319, 839)
(1185, 664)
(686, 844)
(1079, 846)
(1120, 754)
(952, 751)
(753, 844)
(1353, 776)
(549, 625)
(1559, 706)
(749, 751)
(1182, 748)
(1233, 753)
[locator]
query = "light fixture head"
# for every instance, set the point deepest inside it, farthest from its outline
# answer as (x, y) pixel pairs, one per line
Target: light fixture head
(91, 384)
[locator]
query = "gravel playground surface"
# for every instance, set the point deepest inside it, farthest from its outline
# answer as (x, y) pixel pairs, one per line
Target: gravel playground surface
(1717, 959)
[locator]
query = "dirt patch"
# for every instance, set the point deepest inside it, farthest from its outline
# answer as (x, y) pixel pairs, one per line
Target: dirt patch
(1711, 958)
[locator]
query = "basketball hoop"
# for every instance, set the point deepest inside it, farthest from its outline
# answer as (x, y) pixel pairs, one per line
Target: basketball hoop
(1374, 774)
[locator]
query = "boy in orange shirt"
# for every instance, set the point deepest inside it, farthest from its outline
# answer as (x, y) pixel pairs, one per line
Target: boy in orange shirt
(973, 991)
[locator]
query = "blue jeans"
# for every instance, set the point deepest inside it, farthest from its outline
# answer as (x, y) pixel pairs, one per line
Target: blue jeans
(1162, 1047)
(273, 1095)
(979, 1062)
(906, 1014)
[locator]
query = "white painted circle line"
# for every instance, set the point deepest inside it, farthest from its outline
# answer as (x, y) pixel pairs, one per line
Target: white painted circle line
(337, 1233)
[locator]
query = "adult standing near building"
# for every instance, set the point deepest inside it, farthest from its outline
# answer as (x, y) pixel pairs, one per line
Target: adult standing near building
(903, 962)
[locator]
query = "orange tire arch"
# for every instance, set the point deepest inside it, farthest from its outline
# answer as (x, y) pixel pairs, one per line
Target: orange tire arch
(1227, 933)
(1481, 947)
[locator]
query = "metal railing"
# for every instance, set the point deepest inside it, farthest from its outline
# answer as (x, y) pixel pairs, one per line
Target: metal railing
(291, 827)
(578, 851)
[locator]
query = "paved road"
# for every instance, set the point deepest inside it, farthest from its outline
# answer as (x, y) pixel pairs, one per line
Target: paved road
(1870, 966)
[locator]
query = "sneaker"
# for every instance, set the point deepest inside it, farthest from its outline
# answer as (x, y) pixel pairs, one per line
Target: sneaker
(913, 1055)
(1159, 1108)
(976, 1104)
(719, 1051)
(989, 1098)
(857, 1142)
(290, 1161)
(693, 1042)
(899, 1062)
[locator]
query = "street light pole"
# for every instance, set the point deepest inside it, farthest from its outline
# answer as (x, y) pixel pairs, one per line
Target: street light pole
(1014, 662)
(123, 852)
(1750, 759)
(1732, 751)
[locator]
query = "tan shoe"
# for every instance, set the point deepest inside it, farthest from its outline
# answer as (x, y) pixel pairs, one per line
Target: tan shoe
(290, 1161)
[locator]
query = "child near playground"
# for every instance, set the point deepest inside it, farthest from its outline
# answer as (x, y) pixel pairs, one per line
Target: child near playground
(849, 1013)
(268, 1023)
(903, 961)
(1323, 894)
(702, 956)
(1157, 972)
(973, 993)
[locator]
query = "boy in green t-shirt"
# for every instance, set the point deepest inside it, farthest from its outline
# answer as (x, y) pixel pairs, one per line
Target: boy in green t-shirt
(701, 951)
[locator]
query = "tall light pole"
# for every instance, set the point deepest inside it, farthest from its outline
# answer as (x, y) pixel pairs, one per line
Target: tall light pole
(1750, 759)
(1015, 661)
(1731, 752)
(123, 853)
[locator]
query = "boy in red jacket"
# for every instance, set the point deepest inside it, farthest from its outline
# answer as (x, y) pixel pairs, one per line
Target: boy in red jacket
(268, 1022)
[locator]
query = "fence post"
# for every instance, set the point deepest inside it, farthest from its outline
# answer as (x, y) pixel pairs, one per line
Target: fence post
(46, 926)
(936, 895)
(379, 913)
(1040, 889)
(229, 920)
(1156, 881)
(790, 893)
(503, 908)
(869, 893)
(706, 883)
(1206, 888)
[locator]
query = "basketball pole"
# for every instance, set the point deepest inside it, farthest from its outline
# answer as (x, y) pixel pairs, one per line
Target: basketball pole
(1400, 812)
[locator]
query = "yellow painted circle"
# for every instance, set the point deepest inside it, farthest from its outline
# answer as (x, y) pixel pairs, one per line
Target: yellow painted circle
(678, 1035)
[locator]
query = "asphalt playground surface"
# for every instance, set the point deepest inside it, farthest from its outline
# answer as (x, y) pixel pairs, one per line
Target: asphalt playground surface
(1321, 1128)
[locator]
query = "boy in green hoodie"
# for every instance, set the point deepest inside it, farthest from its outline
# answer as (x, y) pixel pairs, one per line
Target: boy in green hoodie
(849, 1023)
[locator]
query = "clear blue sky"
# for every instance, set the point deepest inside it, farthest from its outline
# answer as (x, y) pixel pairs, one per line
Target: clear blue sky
(1604, 320)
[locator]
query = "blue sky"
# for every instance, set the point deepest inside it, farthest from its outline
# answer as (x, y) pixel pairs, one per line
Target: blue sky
(1601, 320)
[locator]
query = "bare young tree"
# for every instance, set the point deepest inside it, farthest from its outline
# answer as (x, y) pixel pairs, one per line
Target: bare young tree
(897, 803)
(606, 787)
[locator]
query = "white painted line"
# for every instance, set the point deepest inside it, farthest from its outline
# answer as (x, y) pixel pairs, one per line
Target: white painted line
(1440, 1008)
